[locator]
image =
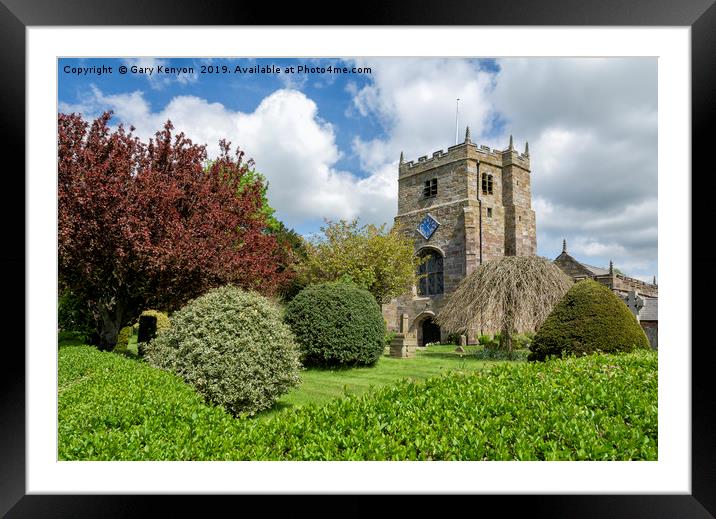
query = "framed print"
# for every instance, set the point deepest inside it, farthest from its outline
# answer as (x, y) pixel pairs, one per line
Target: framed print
(502, 131)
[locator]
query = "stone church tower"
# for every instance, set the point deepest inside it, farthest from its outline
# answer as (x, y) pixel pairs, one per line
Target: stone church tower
(462, 207)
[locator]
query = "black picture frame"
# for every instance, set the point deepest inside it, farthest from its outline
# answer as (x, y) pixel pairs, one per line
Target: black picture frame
(16, 15)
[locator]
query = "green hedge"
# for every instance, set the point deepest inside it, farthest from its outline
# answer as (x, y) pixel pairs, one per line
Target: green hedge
(600, 407)
(337, 323)
(589, 318)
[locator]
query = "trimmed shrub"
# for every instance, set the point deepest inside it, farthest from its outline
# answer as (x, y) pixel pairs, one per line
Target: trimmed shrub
(150, 323)
(123, 339)
(232, 346)
(589, 318)
(337, 324)
(114, 408)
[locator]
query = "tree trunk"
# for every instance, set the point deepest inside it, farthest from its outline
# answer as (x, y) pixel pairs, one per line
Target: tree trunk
(110, 324)
(506, 341)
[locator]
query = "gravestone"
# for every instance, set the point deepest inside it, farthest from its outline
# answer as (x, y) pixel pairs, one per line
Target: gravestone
(634, 303)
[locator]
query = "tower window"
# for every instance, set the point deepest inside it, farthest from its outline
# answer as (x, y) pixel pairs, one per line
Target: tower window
(430, 188)
(486, 184)
(489, 212)
(430, 273)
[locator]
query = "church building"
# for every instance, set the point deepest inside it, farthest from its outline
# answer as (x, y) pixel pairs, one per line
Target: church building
(461, 207)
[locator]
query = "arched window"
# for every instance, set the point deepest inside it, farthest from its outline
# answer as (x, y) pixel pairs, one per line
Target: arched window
(430, 273)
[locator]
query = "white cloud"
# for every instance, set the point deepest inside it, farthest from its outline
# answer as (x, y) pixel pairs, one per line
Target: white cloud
(290, 144)
(591, 124)
(414, 100)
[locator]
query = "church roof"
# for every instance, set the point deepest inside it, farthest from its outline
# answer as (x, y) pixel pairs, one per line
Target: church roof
(596, 271)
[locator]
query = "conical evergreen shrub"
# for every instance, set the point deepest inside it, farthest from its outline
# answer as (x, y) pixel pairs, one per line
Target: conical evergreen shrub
(588, 319)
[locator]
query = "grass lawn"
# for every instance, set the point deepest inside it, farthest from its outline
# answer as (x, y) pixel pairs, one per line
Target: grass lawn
(320, 386)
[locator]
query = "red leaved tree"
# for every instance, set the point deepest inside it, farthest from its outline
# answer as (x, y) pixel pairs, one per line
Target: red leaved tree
(148, 225)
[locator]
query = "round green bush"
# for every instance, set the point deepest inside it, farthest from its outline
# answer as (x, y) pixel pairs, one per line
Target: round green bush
(589, 318)
(337, 324)
(233, 347)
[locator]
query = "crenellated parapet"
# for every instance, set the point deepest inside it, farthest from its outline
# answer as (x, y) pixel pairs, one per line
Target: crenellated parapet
(462, 151)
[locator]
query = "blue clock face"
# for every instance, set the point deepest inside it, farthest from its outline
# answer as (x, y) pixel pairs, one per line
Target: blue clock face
(427, 227)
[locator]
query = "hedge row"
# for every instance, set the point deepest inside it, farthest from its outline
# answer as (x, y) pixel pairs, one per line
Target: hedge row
(599, 407)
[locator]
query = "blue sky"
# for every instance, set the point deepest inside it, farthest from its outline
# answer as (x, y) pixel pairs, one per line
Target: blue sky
(329, 143)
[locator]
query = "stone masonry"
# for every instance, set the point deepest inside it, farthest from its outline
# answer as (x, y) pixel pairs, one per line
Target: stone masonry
(476, 225)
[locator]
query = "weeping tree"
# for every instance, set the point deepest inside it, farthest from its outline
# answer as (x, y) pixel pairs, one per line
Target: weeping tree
(510, 294)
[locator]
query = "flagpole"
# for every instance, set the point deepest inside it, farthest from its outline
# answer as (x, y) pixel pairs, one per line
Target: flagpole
(457, 111)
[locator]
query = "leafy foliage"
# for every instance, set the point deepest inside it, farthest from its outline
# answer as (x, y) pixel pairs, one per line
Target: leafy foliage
(73, 314)
(144, 225)
(232, 346)
(378, 260)
(151, 322)
(337, 323)
(123, 339)
(588, 319)
(600, 407)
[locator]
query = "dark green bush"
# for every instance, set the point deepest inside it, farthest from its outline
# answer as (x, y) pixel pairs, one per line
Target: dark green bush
(589, 318)
(600, 407)
(337, 323)
(232, 347)
(73, 314)
(150, 323)
(453, 338)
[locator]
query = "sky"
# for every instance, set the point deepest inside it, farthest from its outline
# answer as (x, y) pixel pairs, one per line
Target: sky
(329, 143)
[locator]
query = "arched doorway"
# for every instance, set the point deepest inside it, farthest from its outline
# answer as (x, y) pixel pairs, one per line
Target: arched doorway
(431, 331)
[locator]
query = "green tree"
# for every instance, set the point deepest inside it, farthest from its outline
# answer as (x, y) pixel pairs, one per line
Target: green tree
(250, 179)
(376, 259)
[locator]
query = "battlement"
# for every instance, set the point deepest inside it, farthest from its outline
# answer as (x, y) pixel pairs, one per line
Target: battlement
(466, 150)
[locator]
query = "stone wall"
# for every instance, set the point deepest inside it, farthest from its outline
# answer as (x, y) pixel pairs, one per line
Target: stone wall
(651, 328)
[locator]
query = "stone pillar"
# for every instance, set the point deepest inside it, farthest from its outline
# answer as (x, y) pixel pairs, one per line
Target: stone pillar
(403, 346)
(471, 239)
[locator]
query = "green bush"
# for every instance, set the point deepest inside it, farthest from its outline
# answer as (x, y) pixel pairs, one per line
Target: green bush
(151, 323)
(389, 336)
(589, 318)
(232, 347)
(73, 314)
(123, 339)
(337, 323)
(453, 338)
(521, 341)
(490, 341)
(600, 407)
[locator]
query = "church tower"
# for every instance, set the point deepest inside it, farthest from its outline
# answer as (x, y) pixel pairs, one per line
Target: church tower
(462, 208)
